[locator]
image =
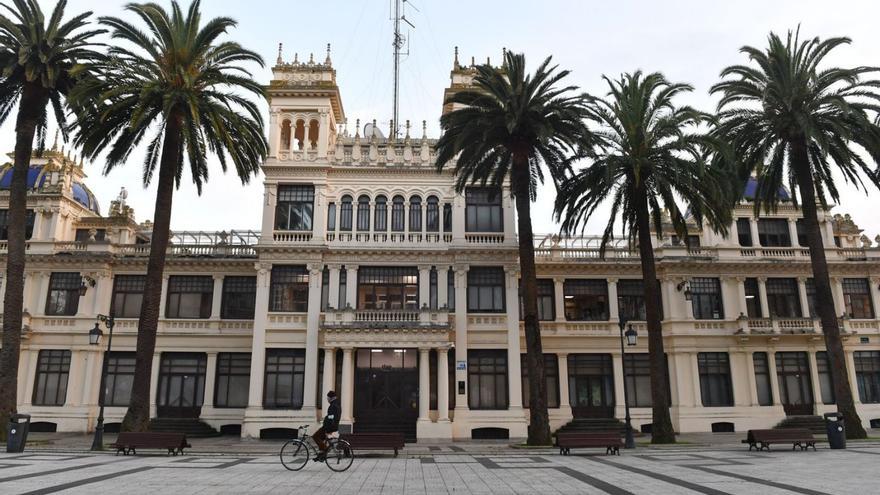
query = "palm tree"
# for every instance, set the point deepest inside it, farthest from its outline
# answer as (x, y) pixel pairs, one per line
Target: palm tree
(183, 88)
(790, 121)
(512, 125)
(37, 59)
(649, 157)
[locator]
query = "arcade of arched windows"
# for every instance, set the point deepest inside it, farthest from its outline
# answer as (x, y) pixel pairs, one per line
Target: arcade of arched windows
(359, 215)
(297, 131)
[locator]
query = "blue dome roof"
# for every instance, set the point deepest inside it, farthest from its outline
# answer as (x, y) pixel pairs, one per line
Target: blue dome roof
(752, 188)
(36, 178)
(84, 196)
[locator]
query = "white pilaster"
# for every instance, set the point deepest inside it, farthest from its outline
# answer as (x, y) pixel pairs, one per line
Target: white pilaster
(210, 380)
(792, 232)
(329, 374)
(351, 271)
(163, 297)
(270, 198)
(258, 341)
(564, 400)
(274, 133)
(217, 297)
(442, 286)
(802, 294)
(425, 383)
(619, 383)
(774, 378)
(851, 372)
(613, 303)
(753, 386)
(762, 293)
(461, 337)
(347, 385)
(514, 364)
(312, 320)
(442, 384)
(814, 376)
(559, 298)
(753, 225)
(741, 295)
(333, 289)
(424, 285)
(837, 292)
(154, 382)
(43, 294)
(874, 284)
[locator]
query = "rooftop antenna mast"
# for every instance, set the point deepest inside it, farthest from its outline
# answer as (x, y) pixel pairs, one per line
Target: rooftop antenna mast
(398, 16)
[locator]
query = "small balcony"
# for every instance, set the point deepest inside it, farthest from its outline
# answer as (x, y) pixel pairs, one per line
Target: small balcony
(386, 318)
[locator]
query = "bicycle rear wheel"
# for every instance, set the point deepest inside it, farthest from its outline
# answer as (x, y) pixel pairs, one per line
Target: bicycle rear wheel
(339, 456)
(294, 455)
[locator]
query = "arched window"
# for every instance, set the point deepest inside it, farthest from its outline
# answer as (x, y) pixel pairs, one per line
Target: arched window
(363, 216)
(299, 134)
(285, 135)
(415, 214)
(397, 216)
(345, 214)
(380, 223)
(313, 135)
(447, 217)
(432, 215)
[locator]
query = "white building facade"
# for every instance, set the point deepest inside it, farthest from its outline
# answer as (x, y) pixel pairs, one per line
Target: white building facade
(370, 276)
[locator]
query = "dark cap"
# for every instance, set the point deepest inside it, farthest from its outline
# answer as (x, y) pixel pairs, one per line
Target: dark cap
(331, 394)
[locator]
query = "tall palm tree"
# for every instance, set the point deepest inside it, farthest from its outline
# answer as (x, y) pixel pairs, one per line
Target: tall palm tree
(37, 59)
(511, 125)
(175, 84)
(649, 157)
(792, 120)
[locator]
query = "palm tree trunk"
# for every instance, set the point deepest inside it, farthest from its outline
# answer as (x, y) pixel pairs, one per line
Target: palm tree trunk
(824, 298)
(661, 428)
(33, 100)
(539, 420)
(137, 418)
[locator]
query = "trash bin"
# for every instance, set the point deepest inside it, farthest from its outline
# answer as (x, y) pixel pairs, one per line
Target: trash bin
(836, 430)
(17, 432)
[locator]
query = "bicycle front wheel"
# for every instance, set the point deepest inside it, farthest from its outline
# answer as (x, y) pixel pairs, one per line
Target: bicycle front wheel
(340, 456)
(294, 455)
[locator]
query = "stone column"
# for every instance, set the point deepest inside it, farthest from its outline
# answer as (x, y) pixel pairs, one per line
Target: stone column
(103, 294)
(333, 289)
(458, 224)
(559, 297)
(741, 295)
(733, 233)
(43, 294)
(425, 383)
(310, 383)
(802, 294)
(741, 391)
(509, 214)
(874, 284)
(424, 285)
(753, 225)
(814, 376)
(29, 366)
(619, 383)
(270, 198)
(564, 399)
(75, 378)
(329, 375)
(319, 216)
(274, 133)
(347, 385)
(461, 336)
(442, 286)
(154, 382)
(163, 298)
(837, 292)
(753, 387)
(307, 141)
(762, 293)
(774, 378)
(351, 288)
(695, 379)
(258, 344)
(851, 371)
(792, 232)
(217, 299)
(442, 384)
(210, 380)
(92, 377)
(514, 364)
(406, 217)
(613, 303)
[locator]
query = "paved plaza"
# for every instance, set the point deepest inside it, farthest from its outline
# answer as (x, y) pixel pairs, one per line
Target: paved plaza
(451, 469)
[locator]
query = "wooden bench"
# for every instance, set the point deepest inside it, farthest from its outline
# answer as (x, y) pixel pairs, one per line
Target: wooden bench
(128, 442)
(375, 441)
(609, 440)
(797, 437)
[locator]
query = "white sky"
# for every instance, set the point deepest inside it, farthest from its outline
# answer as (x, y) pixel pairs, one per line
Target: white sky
(689, 41)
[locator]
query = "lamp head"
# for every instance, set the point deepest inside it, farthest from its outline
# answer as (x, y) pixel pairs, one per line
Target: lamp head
(95, 335)
(631, 336)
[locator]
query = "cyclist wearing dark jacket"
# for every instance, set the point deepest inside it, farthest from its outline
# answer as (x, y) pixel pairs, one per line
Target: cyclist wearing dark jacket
(330, 424)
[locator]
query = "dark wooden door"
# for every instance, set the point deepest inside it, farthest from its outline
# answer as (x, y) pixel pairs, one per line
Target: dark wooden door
(591, 385)
(795, 383)
(386, 394)
(181, 390)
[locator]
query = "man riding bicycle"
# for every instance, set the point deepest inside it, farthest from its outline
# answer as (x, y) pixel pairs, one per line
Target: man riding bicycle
(329, 426)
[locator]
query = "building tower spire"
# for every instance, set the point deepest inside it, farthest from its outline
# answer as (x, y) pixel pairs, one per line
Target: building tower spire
(397, 16)
(279, 60)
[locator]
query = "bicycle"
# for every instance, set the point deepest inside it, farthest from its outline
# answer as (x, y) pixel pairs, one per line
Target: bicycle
(295, 454)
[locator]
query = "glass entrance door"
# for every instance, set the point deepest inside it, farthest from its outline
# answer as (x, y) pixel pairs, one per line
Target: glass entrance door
(386, 394)
(591, 385)
(795, 385)
(181, 385)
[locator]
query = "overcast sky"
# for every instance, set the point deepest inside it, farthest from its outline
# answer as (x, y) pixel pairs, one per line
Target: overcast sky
(689, 41)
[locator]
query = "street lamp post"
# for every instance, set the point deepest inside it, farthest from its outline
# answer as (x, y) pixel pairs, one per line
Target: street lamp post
(630, 336)
(95, 335)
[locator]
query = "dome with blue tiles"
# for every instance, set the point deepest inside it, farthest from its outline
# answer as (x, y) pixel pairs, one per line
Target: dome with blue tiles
(38, 176)
(752, 188)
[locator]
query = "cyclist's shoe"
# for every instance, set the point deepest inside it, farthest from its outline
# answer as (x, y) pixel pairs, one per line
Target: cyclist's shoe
(321, 457)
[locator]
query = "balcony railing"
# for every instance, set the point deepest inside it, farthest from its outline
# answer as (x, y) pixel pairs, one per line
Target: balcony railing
(380, 318)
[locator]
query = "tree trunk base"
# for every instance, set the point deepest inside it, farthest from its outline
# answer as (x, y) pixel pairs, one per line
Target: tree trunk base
(4, 419)
(136, 422)
(539, 435)
(854, 428)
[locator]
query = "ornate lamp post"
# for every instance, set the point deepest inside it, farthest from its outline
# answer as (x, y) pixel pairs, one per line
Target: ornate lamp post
(95, 335)
(631, 338)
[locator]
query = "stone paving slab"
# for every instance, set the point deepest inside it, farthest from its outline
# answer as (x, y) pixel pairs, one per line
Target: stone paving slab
(643, 471)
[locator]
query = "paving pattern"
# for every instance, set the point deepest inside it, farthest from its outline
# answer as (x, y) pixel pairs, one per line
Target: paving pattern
(444, 470)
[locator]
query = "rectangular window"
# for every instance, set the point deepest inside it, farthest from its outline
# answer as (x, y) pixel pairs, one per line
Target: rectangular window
(447, 217)
(753, 298)
(331, 217)
(342, 296)
(50, 384)
(783, 299)
(762, 379)
(802, 233)
(487, 379)
(432, 215)
(586, 299)
(239, 298)
(485, 290)
(744, 232)
(826, 386)
(432, 288)
(415, 214)
(345, 214)
(289, 289)
(295, 207)
(398, 215)
(325, 288)
(189, 296)
(631, 300)
(233, 379)
(637, 370)
(128, 294)
(545, 299)
(285, 375)
(706, 298)
(483, 210)
(386, 287)
(715, 386)
(380, 220)
(773, 232)
(810, 287)
(85, 235)
(28, 227)
(63, 298)
(867, 364)
(363, 214)
(450, 290)
(857, 297)
(119, 378)
(551, 376)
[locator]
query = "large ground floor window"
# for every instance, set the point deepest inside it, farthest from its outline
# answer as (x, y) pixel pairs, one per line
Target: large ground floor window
(285, 377)
(119, 379)
(551, 377)
(388, 288)
(487, 379)
(233, 379)
(716, 388)
(867, 365)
